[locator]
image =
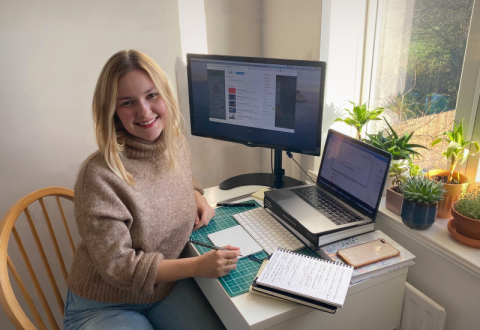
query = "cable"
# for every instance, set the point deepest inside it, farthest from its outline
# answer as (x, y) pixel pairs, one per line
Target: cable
(271, 159)
(289, 154)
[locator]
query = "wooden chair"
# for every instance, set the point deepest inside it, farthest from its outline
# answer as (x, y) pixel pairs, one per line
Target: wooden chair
(7, 226)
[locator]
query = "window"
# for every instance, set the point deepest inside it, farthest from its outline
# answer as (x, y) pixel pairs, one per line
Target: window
(419, 57)
(407, 56)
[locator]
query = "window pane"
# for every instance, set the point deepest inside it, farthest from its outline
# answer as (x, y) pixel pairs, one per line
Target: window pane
(418, 69)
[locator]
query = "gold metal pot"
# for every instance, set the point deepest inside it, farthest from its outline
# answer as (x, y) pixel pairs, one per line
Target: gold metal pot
(453, 190)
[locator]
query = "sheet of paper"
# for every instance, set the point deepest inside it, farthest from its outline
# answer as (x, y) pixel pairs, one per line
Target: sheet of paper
(314, 278)
(236, 236)
(260, 194)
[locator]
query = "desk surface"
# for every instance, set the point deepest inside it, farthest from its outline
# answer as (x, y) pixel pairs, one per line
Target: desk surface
(365, 301)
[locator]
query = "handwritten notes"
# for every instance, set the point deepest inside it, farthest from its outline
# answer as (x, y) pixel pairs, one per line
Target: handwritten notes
(312, 278)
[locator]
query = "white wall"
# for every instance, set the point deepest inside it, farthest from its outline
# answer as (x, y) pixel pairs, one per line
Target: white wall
(51, 55)
(232, 28)
(344, 60)
(291, 30)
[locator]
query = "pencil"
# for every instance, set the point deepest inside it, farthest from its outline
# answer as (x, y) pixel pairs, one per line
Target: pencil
(213, 247)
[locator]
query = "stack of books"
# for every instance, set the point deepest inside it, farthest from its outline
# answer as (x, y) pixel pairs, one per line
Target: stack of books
(405, 259)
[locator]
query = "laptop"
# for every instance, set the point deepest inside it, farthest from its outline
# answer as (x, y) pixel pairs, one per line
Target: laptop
(348, 190)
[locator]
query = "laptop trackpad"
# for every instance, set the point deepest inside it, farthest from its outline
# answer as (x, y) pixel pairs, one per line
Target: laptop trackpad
(298, 208)
(310, 218)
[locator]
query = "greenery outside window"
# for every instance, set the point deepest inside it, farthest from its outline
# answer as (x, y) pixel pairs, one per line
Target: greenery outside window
(419, 56)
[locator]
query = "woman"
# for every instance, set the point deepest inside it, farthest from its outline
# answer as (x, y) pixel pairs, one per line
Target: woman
(136, 204)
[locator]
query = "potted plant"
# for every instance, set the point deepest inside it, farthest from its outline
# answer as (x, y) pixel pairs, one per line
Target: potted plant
(398, 146)
(457, 151)
(466, 214)
(360, 116)
(394, 197)
(420, 198)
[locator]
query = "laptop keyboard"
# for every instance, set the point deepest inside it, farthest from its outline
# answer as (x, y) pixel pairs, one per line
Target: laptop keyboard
(326, 205)
(267, 231)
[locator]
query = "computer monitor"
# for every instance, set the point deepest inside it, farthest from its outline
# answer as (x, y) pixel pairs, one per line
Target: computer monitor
(258, 102)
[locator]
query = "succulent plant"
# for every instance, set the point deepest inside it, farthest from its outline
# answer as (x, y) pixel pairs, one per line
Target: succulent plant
(422, 190)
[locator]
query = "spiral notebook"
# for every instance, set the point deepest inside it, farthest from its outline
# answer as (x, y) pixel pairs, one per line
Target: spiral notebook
(317, 283)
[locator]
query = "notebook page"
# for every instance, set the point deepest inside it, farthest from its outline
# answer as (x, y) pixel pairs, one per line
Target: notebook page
(309, 277)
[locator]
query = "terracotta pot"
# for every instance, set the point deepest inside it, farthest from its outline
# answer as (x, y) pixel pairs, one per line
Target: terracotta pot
(394, 200)
(466, 226)
(453, 190)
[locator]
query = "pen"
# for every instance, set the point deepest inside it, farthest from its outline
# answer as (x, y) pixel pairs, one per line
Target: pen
(233, 204)
(253, 258)
(213, 247)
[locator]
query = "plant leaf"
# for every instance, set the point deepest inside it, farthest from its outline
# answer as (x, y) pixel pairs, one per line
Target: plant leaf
(451, 148)
(436, 141)
(466, 153)
(391, 129)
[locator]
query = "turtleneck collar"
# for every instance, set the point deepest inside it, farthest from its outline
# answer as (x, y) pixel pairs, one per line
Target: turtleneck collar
(138, 148)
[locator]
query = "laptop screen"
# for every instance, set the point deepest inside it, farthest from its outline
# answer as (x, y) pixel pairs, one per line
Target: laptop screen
(354, 170)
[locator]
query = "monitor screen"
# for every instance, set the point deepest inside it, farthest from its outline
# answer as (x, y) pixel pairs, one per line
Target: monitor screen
(258, 102)
(355, 170)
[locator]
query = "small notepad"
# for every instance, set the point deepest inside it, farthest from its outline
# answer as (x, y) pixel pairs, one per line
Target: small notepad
(308, 277)
(236, 236)
(260, 194)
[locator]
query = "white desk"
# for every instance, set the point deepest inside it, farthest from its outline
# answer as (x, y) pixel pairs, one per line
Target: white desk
(371, 305)
(439, 259)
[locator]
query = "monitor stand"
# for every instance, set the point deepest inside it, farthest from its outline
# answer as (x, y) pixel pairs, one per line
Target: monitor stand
(276, 180)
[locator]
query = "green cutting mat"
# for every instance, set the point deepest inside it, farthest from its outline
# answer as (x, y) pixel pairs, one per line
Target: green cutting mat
(238, 281)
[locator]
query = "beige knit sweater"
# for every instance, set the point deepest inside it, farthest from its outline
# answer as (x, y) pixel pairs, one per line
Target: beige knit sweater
(128, 230)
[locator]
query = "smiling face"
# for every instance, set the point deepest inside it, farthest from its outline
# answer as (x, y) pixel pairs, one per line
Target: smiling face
(140, 108)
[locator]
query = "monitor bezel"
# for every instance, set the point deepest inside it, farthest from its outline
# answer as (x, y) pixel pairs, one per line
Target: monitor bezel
(260, 60)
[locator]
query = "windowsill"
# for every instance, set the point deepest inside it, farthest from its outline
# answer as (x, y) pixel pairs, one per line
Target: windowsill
(437, 239)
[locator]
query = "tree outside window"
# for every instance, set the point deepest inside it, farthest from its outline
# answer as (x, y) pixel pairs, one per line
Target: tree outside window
(418, 69)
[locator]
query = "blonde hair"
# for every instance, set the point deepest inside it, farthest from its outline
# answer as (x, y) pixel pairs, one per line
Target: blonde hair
(108, 129)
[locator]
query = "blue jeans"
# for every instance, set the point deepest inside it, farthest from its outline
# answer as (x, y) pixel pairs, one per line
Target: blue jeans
(185, 308)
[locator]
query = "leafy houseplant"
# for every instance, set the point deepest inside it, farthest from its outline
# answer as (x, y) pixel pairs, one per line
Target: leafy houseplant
(415, 170)
(457, 148)
(466, 214)
(394, 144)
(396, 172)
(360, 116)
(456, 151)
(420, 197)
(394, 197)
(398, 146)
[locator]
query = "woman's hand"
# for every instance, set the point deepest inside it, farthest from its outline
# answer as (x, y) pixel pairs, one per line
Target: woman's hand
(205, 212)
(219, 263)
(212, 264)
